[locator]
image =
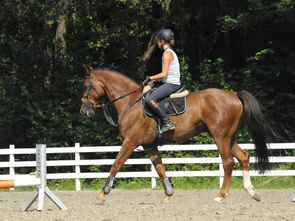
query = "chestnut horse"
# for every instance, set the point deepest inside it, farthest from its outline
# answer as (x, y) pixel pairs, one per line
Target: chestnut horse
(216, 111)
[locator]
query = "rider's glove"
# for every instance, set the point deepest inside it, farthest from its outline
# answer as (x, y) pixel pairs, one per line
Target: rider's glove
(146, 81)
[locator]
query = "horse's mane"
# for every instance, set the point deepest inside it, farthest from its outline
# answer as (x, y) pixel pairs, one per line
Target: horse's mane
(112, 76)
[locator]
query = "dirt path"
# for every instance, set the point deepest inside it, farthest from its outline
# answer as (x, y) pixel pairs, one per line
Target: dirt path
(144, 205)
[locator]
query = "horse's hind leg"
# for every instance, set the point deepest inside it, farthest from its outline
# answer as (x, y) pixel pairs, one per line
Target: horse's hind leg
(228, 164)
(160, 168)
(243, 157)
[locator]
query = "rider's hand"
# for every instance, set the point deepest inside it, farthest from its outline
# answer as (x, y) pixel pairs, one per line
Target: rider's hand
(146, 81)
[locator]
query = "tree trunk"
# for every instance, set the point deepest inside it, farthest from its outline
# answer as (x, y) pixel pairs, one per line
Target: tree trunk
(60, 41)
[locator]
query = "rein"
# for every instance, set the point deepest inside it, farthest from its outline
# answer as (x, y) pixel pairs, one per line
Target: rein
(121, 97)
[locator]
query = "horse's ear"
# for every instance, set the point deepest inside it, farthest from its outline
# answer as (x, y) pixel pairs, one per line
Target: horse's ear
(88, 70)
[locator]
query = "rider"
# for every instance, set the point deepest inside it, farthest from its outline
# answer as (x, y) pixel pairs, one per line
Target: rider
(169, 76)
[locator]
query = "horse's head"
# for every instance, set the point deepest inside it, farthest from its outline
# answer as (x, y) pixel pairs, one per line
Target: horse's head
(92, 92)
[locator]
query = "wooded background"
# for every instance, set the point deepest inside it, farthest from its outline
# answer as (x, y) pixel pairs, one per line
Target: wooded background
(45, 45)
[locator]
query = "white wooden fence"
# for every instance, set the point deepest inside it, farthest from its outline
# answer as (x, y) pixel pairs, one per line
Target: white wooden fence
(77, 162)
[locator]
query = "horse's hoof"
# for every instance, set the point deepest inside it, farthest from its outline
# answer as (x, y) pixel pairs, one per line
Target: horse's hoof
(166, 199)
(101, 198)
(253, 194)
(256, 197)
(219, 199)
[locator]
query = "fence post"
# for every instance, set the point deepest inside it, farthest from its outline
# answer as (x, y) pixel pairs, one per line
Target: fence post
(77, 167)
(11, 161)
(153, 179)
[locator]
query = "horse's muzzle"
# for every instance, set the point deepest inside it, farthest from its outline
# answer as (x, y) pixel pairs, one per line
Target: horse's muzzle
(87, 110)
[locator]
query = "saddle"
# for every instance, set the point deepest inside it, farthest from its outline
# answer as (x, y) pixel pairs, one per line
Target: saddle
(174, 105)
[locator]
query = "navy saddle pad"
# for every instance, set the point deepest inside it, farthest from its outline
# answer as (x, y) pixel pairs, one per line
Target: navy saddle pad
(172, 106)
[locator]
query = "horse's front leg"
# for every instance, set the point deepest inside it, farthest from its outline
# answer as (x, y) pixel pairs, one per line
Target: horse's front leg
(160, 168)
(125, 152)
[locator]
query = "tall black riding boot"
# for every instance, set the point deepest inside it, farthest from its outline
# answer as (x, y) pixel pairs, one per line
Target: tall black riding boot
(167, 124)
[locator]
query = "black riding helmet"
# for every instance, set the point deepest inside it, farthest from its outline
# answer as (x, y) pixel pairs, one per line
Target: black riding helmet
(165, 34)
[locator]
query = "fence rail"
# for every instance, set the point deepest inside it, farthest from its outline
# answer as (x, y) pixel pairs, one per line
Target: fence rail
(77, 162)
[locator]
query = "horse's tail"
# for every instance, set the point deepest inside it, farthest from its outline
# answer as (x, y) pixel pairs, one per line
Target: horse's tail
(259, 129)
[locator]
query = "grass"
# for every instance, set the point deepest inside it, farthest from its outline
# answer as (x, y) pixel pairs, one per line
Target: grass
(185, 183)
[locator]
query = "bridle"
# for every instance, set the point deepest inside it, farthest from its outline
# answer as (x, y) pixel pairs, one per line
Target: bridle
(90, 87)
(105, 106)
